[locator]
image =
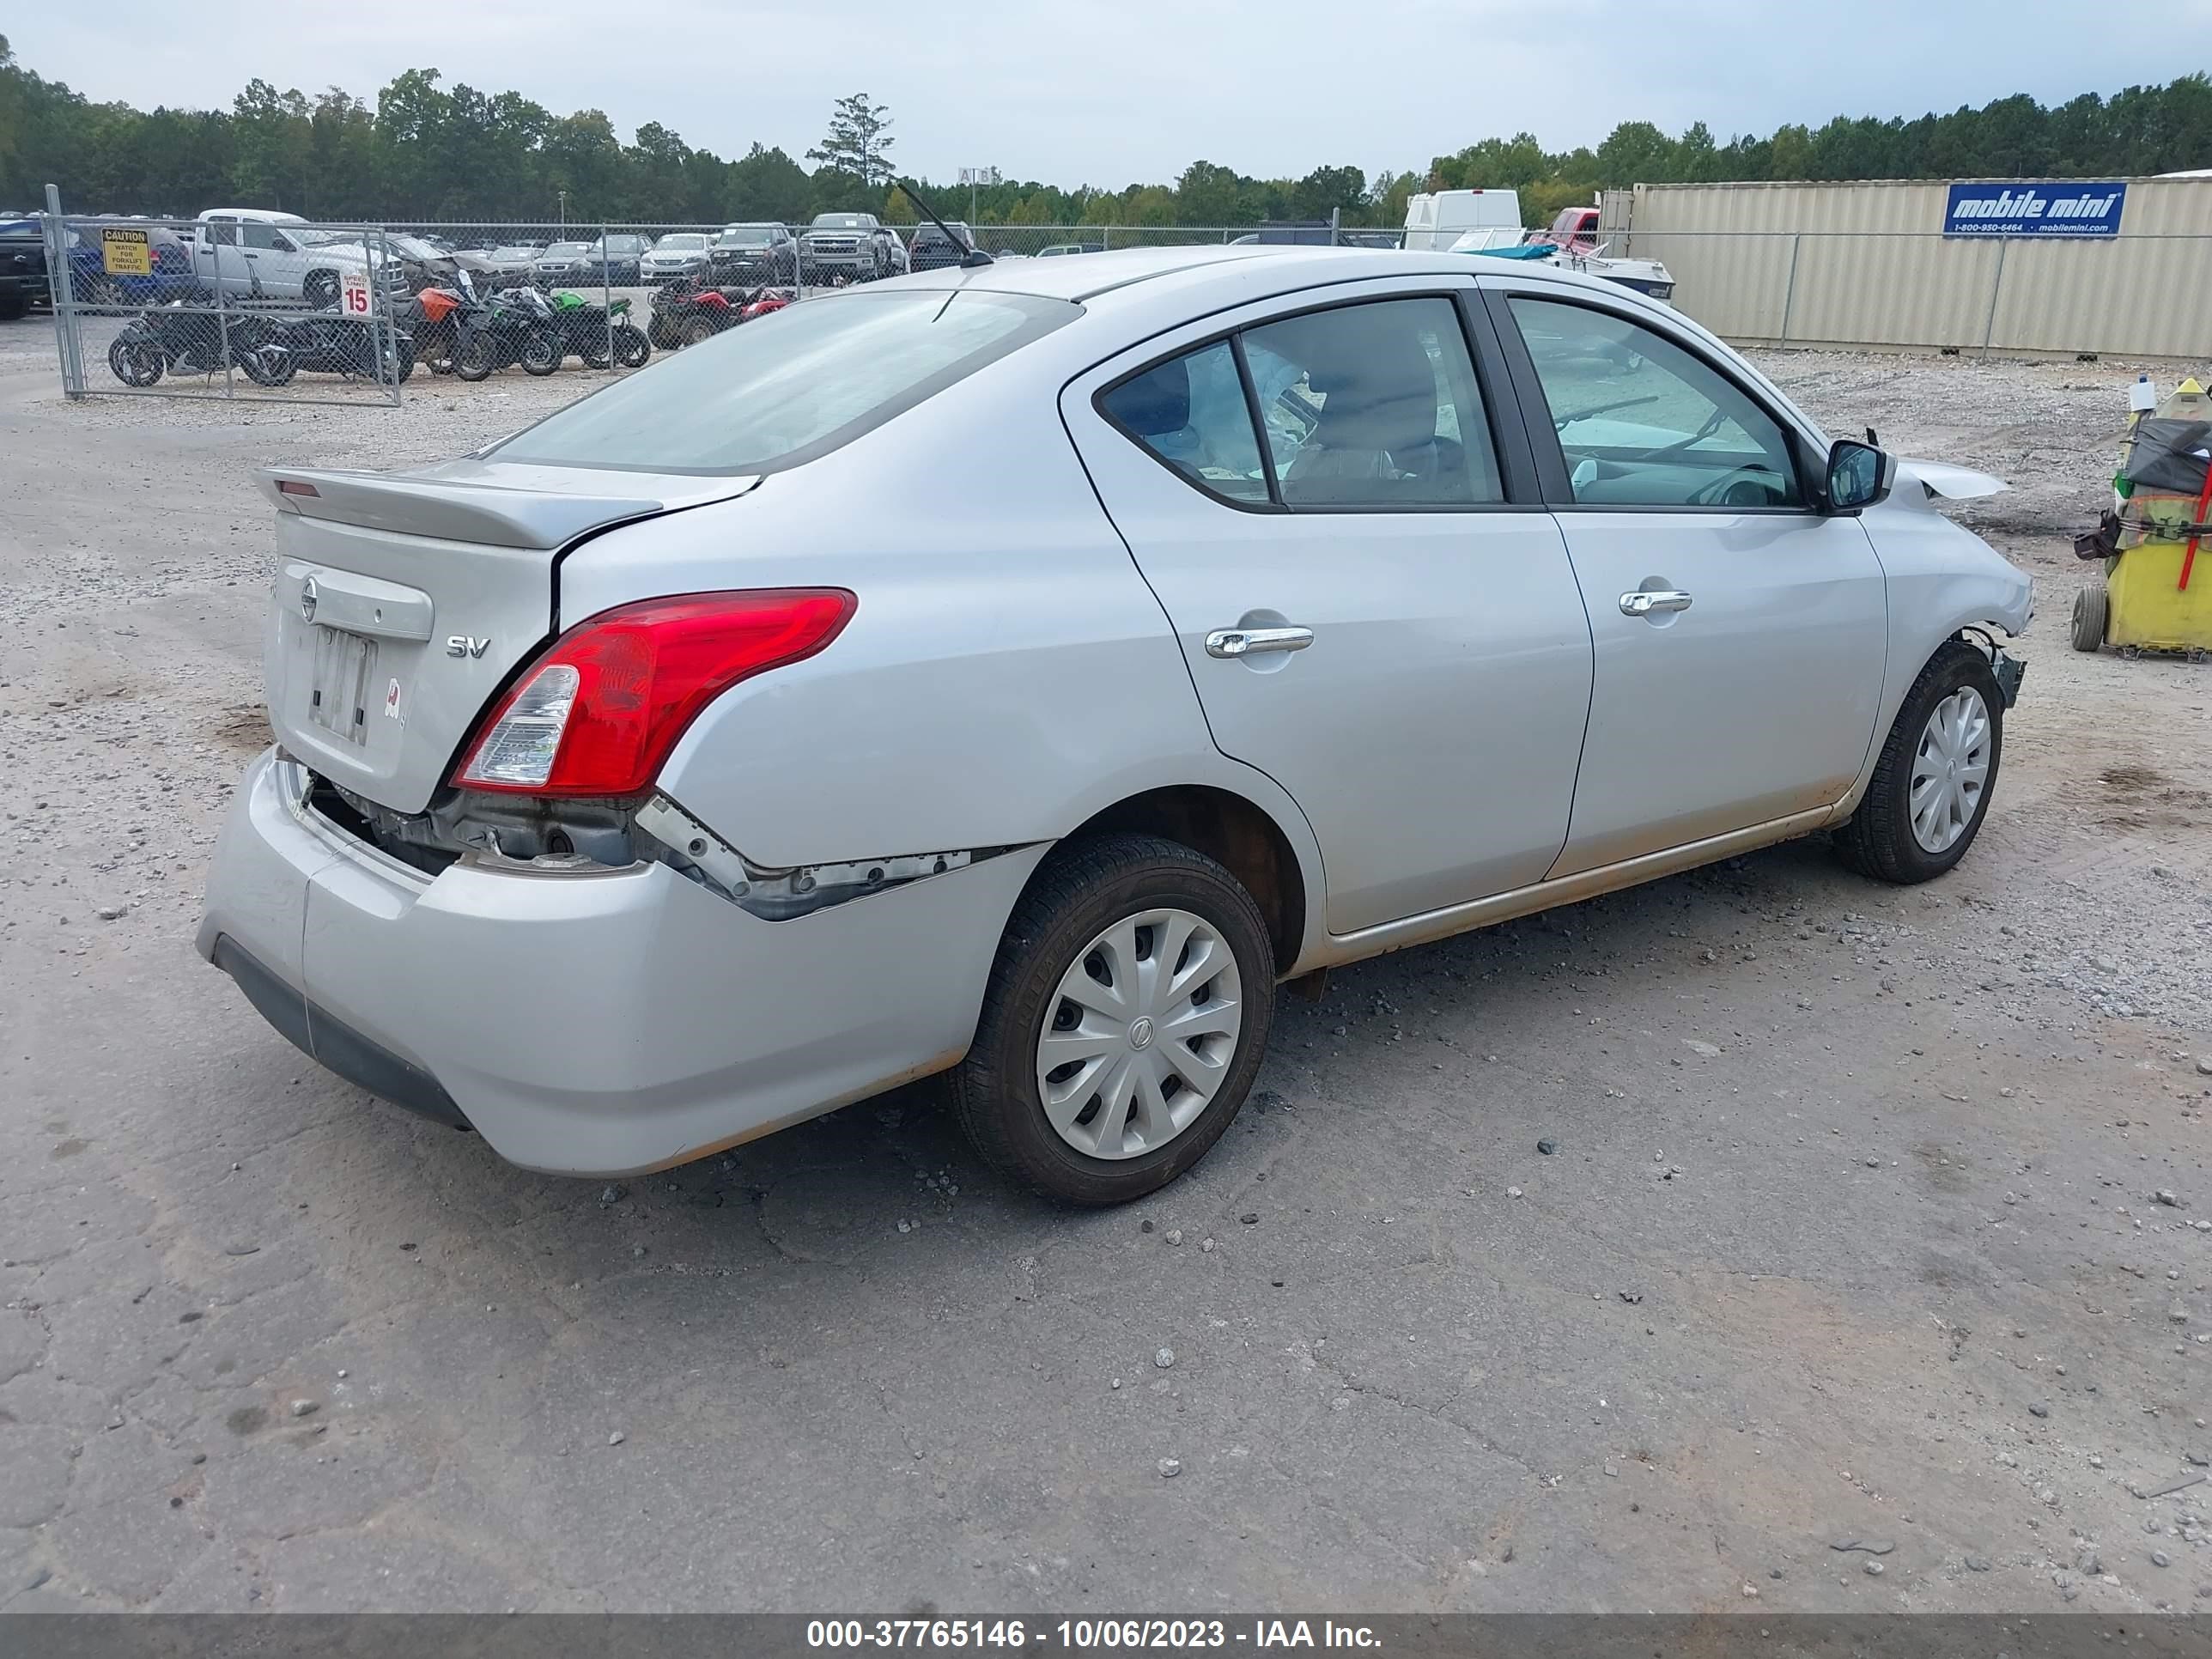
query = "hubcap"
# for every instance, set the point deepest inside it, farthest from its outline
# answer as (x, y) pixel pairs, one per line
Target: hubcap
(1951, 771)
(1139, 1034)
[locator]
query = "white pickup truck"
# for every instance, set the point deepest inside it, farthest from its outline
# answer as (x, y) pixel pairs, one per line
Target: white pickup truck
(257, 253)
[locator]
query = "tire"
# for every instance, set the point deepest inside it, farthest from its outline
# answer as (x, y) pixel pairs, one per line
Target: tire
(472, 358)
(697, 331)
(1881, 841)
(320, 289)
(595, 354)
(14, 302)
(135, 363)
(542, 352)
(2090, 606)
(631, 347)
(1082, 891)
(269, 365)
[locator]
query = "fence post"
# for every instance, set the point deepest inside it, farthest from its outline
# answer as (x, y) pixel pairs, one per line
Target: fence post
(1334, 240)
(61, 294)
(1996, 286)
(607, 293)
(1790, 290)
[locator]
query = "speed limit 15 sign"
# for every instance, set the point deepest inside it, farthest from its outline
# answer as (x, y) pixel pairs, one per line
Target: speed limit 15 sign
(353, 293)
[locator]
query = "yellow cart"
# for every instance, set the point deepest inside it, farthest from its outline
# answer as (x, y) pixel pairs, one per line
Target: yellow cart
(2155, 592)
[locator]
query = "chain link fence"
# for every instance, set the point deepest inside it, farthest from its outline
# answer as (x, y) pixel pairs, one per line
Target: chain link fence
(261, 304)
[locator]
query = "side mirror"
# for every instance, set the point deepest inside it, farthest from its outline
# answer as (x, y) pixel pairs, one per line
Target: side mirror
(1859, 475)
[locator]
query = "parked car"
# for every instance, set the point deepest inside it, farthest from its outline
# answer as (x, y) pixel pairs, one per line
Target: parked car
(513, 261)
(22, 267)
(253, 252)
(750, 255)
(562, 263)
(168, 253)
(853, 246)
(612, 261)
(1424, 598)
(680, 254)
(1060, 249)
(933, 250)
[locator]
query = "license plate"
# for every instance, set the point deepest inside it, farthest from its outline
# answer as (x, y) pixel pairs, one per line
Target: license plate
(346, 665)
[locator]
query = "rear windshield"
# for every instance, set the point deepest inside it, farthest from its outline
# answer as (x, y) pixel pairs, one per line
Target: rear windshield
(783, 389)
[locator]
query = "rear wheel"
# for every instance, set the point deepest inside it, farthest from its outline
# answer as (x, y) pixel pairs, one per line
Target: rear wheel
(2090, 607)
(1931, 786)
(271, 365)
(320, 290)
(631, 347)
(1124, 1022)
(697, 331)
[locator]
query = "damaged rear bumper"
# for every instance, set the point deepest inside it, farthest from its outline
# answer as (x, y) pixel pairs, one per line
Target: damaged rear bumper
(601, 1021)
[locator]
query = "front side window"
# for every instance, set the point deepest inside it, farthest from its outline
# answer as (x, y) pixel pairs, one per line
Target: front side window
(1642, 421)
(788, 387)
(260, 236)
(222, 233)
(1190, 411)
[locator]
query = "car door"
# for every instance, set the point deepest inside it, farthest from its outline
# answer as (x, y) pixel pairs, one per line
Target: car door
(1740, 631)
(275, 268)
(1374, 607)
(222, 261)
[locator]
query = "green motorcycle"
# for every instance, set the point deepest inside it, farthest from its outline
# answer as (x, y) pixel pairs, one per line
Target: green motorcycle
(599, 334)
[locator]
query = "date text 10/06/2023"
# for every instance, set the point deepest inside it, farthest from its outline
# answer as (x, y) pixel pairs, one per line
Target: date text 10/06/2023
(1087, 1635)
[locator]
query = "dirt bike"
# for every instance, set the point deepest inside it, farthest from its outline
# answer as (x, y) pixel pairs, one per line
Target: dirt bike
(196, 336)
(516, 326)
(588, 329)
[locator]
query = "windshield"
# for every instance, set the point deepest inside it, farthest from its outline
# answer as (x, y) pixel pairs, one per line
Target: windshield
(566, 249)
(517, 252)
(747, 236)
(302, 237)
(788, 387)
(678, 244)
(841, 221)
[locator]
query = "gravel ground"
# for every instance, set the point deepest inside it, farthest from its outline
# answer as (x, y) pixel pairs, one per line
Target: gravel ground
(1849, 1229)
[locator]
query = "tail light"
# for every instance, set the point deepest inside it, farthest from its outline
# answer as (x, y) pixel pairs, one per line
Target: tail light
(599, 712)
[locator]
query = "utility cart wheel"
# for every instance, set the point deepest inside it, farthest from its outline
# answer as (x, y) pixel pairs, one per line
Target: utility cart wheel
(2089, 608)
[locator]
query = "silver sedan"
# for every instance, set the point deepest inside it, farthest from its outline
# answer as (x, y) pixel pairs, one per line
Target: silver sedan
(1252, 610)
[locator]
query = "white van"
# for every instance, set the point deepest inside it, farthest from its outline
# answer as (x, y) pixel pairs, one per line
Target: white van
(1444, 218)
(258, 253)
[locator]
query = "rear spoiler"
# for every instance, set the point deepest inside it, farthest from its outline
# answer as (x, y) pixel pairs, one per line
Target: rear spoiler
(527, 507)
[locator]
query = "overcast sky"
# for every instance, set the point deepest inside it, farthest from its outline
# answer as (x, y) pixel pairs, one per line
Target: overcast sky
(1111, 91)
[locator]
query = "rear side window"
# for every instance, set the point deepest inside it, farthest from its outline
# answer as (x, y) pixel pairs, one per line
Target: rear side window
(1190, 411)
(789, 386)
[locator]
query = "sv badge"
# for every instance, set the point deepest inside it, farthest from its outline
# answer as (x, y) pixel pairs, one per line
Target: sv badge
(466, 644)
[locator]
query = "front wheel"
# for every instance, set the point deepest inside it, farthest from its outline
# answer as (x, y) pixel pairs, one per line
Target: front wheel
(269, 365)
(698, 331)
(631, 347)
(542, 352)
(135, 363)
(473, 358)
(1124, 1021)
(1931, 786)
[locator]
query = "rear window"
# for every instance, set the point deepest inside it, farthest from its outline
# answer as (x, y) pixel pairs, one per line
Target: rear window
(785, 388)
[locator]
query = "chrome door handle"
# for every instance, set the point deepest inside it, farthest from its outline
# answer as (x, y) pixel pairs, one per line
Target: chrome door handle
(1643, 603)
(1251, 641)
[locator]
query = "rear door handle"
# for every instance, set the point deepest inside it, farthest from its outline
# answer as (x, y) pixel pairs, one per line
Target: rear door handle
(1252, 641)
(1643, 602)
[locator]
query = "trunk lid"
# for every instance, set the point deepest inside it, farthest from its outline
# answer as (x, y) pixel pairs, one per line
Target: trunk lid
(403, 602)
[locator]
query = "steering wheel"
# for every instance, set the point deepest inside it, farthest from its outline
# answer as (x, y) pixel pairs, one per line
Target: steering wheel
(1742, 486)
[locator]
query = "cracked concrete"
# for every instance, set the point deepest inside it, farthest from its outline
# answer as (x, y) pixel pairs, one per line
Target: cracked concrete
(1807, 1285)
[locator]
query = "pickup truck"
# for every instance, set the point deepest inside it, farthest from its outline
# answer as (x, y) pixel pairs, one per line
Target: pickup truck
(22, 267)
(854, 246)
(256, 253)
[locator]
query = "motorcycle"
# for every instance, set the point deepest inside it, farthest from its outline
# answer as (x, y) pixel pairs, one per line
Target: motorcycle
(517, 325)
(588, 329)
(197, 335)
(330, 344)
(437, 326)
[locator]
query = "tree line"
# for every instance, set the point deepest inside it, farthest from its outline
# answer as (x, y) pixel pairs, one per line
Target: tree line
(424, 150)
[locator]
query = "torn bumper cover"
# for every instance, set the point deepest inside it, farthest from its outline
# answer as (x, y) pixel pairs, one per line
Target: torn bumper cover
(590, 1020)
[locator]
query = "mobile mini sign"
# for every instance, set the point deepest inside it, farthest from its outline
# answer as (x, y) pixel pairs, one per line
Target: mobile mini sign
(2070, 208)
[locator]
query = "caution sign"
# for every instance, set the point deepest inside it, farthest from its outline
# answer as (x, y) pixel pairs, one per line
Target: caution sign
(124, 252)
